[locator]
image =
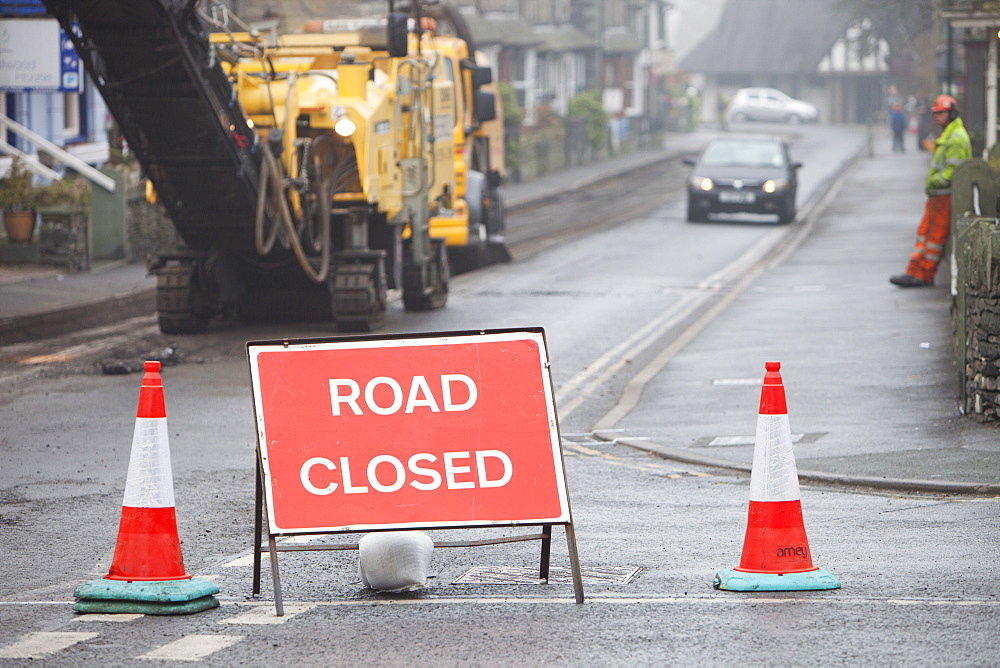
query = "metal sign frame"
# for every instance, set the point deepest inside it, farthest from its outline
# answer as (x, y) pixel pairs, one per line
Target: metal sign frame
(268, 469)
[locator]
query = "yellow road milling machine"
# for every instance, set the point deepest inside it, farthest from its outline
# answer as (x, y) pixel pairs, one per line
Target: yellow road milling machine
(308, 174)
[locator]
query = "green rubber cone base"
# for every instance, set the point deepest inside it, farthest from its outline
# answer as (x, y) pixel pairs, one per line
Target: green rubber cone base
(87, 605)
(166, 597)
(733, 580)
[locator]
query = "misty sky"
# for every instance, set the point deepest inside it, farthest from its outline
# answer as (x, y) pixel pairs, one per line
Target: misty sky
(690, 21)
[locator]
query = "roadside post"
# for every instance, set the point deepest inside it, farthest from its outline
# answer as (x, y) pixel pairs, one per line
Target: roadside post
(448, 430)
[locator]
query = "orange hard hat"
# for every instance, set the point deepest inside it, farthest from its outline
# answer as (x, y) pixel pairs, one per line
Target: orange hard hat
(944, 103)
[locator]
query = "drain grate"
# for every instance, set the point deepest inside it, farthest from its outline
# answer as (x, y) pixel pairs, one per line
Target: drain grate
(504, 575)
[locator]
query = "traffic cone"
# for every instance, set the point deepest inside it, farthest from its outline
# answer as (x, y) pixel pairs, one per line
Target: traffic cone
(147, 571)
(776, 554)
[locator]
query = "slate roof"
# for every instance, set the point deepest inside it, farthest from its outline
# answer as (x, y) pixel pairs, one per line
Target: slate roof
(971, 13)
(621, 40)
(563, 38)
(506, 30)
(770, 37)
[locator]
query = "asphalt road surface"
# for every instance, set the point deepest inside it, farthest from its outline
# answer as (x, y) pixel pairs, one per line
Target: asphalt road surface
(918, 571)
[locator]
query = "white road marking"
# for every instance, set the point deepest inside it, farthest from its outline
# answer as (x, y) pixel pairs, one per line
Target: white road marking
(102, 617)
(742, 272)
(247, 559)
(752, 256)
(745, 440)
(43, 643)
(264, 614)
(191, 648)
(724, 598)
(240, 562)
(578, 449)
(633, 389)
(737, 381)
(615, 359)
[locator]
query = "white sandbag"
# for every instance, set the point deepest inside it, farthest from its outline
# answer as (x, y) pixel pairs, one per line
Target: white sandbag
(395, 561)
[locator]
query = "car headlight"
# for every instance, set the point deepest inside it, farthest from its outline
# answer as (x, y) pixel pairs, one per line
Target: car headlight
(702, 183)
(774, 185)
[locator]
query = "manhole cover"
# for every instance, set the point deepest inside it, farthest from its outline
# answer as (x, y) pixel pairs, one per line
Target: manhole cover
(593, 575)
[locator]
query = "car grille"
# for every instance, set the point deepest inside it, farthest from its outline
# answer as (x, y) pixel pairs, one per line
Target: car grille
(744, 184)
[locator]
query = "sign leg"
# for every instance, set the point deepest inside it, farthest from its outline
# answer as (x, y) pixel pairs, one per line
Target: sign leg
(574, 562)
(543, 568)
(257, 522)
(279, 606)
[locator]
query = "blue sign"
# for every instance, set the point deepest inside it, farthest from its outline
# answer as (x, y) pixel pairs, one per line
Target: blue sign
(70, 80)
(22, 8)
(37, 55)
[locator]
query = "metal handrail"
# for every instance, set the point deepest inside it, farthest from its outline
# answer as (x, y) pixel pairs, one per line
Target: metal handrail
(61, 155)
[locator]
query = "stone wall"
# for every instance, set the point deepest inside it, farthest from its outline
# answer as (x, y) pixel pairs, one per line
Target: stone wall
(977, 315)
(535, 152)
(975, 242)
(148, 228)
(983, 355)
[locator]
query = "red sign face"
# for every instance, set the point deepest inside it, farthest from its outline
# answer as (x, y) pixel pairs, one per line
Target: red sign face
(456, 430)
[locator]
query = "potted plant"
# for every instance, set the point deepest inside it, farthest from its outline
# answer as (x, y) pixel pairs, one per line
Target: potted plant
(17, 201)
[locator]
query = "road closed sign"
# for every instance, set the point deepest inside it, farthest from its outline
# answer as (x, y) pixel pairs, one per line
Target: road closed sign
(441, 430)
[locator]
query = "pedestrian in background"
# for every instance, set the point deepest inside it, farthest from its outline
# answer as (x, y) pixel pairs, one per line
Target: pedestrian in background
(892, 99)
(897, 123)
(950, 150)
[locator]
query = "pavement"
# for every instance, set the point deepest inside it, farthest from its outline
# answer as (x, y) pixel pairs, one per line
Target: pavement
(868, 367)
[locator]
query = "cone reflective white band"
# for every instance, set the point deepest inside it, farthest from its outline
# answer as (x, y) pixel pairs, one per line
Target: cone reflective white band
(150, 478)
(774, 476)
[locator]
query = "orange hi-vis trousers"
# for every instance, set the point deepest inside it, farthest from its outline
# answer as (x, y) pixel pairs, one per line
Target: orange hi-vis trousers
(932, 235)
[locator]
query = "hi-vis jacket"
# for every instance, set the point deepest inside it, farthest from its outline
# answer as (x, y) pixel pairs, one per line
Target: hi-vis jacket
(951, 149)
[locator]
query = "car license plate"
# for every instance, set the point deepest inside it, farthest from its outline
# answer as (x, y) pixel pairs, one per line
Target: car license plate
(737, 197)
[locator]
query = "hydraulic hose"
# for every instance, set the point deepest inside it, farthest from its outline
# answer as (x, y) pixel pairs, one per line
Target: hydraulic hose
(272, 181)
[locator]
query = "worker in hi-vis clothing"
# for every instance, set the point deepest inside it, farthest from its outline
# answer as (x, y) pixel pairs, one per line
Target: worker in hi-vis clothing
(950, 150)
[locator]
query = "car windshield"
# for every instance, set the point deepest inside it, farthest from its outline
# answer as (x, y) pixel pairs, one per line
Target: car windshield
(736, 153)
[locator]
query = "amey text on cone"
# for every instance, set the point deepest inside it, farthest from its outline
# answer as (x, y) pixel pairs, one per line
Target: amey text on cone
(147, 571)
(776, 555)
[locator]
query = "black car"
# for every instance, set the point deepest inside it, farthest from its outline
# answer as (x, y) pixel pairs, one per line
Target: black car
(743, 175)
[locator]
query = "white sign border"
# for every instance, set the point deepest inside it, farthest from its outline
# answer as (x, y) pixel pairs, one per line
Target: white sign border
(254, 349)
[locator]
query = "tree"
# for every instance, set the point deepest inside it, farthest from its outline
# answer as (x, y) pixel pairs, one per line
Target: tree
(900, 22)
(589, 105)
(907, 28)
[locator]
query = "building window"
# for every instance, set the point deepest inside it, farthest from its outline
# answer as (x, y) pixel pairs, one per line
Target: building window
(563, 11)
(498, 5)
(538, 12)
(614, 13)
(71, 116)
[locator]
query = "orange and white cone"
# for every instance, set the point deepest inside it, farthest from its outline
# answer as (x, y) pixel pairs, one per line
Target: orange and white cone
(147, 571)
(776, 554)
(148, 547)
